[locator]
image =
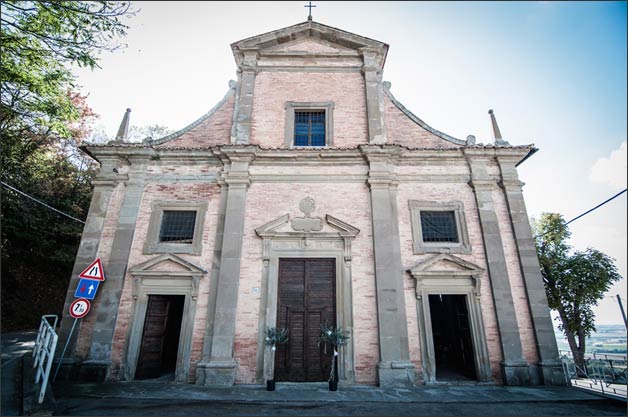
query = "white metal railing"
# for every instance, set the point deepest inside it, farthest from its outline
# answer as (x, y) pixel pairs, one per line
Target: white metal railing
(603, 373)
(44, 351)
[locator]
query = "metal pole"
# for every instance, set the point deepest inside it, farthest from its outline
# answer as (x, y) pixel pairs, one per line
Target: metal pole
(64, 349)
(623, 313)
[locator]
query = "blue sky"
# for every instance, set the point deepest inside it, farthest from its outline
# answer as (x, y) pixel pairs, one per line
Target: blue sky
(554, 73)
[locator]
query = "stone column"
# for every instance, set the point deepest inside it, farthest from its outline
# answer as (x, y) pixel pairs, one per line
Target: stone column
(98, 364)
(515, 370)
(551, 372)
(104, 184)
(222, 367)
(394, 368)
(374, 96)
(243, 113)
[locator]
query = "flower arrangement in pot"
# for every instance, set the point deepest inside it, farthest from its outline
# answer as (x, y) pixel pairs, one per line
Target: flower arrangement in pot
(273, 338)
(336, 337)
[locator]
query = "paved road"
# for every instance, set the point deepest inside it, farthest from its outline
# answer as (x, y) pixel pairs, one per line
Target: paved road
(138, 407)
(13, 346)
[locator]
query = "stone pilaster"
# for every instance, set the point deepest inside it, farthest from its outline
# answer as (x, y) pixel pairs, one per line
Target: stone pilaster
(243, 113)
(104, 184)
(213, 286)
(374, 96)
(394, 368)
(515, 370)
(550, 367)
(222, 367)
(98, 363)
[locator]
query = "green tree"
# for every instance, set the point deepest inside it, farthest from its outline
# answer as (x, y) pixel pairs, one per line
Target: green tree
(574, 282)
(42, 123)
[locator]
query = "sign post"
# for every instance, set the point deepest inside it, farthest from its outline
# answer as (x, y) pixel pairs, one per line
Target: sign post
(90, 279)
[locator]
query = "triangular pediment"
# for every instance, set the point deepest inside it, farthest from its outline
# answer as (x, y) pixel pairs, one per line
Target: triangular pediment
(167, 263)
(310, 37)
(285, 226)
(307, 45)
(445, 264)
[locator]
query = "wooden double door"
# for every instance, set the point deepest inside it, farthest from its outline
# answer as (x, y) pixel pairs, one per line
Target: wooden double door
(306, 299)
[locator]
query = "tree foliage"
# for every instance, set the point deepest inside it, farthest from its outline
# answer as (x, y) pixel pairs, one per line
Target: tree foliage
(574, 282)
(40, 41)
(43, 120)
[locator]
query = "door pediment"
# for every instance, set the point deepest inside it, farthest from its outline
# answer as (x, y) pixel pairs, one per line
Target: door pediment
(445, 264)
(446, 272)
(168, 262)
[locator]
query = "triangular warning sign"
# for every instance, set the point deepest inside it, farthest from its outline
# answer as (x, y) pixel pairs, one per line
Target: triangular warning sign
(94, 271)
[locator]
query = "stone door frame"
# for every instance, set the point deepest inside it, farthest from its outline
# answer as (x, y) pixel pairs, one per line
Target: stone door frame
(306, 244)
(463, 280)
(183, 280)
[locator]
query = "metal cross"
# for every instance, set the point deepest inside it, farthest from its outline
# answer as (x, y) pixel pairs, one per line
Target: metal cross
(309, 17)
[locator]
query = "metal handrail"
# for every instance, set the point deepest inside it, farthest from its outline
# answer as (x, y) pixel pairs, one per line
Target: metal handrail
(44, 352)
(601, 370)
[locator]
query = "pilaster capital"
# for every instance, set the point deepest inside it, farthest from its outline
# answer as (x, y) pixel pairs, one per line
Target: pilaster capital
(483, 185)
(512, 185)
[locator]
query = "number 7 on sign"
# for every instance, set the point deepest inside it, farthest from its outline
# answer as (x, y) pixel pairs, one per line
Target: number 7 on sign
(79, 308)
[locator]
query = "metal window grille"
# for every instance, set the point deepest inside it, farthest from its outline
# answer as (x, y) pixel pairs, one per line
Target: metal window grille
(309, 128)
(439, 226)
(177, 226)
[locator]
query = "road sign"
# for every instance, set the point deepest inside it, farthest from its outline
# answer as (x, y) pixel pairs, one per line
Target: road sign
(94, 271)
(79, 308)
(86, 288)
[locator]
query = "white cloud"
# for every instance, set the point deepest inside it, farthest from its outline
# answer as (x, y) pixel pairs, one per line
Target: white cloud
(611, 170)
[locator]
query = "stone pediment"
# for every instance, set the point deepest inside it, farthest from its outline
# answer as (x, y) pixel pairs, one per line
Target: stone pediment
(284, 226)
(306, 226)
(311, 37)
(307, 45)
(169, 264)
(445, 264)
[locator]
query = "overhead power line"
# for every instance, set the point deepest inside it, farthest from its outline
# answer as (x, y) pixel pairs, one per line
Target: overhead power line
(41, 202)
(598, 206)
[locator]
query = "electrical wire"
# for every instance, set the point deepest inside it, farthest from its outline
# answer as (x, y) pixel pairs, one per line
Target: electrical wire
(41, 202)
(598, 206)
(588, 211)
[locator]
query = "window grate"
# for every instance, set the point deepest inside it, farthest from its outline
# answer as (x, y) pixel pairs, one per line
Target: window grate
(309, 128)
(439, 226)
(177, 226)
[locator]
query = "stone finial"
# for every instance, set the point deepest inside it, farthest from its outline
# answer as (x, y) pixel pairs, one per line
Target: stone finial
(470, 140)
(123, 130)
(498, 135)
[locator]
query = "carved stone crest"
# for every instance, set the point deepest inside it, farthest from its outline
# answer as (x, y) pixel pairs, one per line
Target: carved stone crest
(307, 223)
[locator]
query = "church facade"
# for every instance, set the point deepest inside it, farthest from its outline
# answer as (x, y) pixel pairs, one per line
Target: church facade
(310, 196)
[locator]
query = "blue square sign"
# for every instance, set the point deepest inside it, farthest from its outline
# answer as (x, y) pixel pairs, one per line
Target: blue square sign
(86, 288)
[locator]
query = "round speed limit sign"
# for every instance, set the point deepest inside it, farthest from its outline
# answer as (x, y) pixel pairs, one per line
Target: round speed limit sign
(79, 308)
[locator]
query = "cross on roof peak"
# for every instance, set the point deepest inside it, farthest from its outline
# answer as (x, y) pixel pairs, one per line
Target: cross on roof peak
(310, 5)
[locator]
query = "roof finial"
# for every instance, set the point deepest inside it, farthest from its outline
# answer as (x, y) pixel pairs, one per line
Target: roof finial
(123, 130)
(498, 135)
(309, 16)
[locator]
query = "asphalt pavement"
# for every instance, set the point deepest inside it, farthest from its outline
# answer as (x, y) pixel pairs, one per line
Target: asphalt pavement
(159, 398)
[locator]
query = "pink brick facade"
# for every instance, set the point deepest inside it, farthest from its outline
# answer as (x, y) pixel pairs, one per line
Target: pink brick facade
(205, 162)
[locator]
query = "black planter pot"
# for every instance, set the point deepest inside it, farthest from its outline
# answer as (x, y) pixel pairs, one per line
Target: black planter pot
(333, 385)
(270, 385)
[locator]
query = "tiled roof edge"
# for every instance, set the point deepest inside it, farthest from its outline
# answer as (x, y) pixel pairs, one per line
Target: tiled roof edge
(420, 122)
(178, 133)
